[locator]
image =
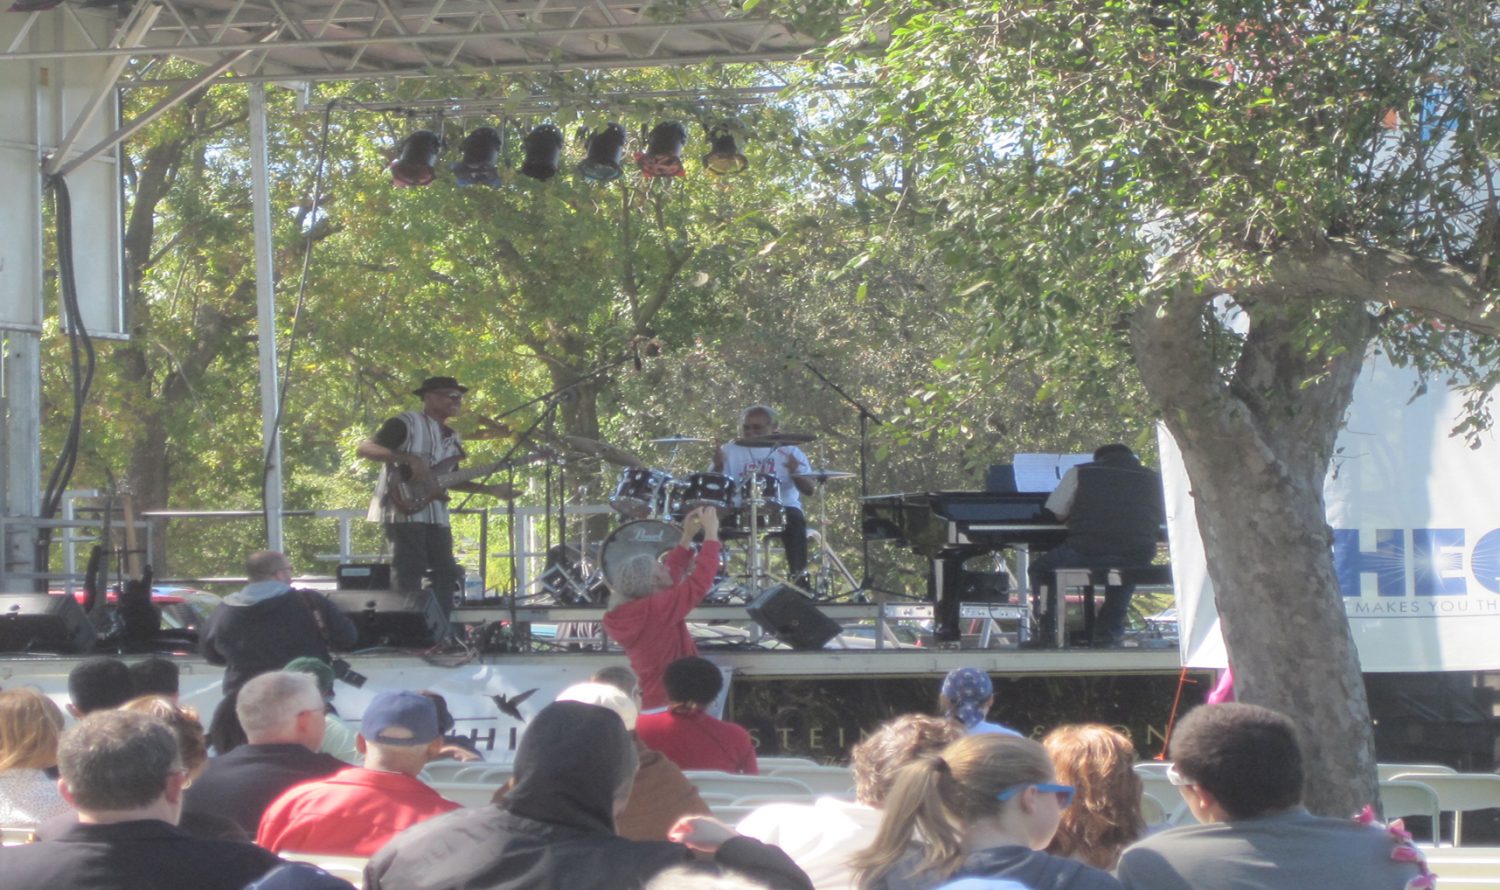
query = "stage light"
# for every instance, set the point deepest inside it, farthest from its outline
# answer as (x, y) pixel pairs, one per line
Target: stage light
(605, 148)
(543, 147)
(477, 167)
(723, 158)
(416, 155)
(663, 154)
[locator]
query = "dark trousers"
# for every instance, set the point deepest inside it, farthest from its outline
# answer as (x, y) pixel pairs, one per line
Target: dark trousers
(794, 541)
(423, 549)
(1110, 623)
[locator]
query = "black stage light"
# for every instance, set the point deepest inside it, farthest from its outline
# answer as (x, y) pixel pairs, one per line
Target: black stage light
(723, 158)
(480, 149)
(663, 154)
(543, 147)
(605, 148)
(416, 155)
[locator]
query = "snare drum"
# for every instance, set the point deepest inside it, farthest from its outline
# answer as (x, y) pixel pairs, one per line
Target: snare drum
(641, 492)
(769, 514)
(704, 490)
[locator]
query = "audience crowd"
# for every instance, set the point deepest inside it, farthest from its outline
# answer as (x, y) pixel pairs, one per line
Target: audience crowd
(128, 798)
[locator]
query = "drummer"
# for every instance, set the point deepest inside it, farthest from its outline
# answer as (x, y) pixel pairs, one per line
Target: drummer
(784, 462)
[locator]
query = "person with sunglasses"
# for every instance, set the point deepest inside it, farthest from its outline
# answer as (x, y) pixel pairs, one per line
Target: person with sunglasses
(985, 807)
(414, 448)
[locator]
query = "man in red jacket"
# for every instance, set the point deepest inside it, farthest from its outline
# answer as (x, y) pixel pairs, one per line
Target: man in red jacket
(651, 601)
(355, 811)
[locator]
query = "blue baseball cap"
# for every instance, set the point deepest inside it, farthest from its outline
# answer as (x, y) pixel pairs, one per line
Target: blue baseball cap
(400, 718)
(967, 689)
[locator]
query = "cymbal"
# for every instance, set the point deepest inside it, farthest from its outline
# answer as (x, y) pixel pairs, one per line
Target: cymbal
(604, 451)
(775, 440)
(822, 475)
(676, 440)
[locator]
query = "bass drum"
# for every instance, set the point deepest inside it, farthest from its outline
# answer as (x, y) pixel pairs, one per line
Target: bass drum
(643, 536)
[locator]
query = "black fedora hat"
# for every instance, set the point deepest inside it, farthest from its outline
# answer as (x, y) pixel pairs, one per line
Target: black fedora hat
(432, 383)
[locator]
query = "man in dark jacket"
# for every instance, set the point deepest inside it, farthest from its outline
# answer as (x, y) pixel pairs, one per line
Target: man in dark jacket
(264, 626)
(1114, 510)
(556, 828)
(123, 773)
(282, 715)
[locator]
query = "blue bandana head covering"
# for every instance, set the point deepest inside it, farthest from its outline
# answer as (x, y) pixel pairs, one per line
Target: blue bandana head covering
(967, 689)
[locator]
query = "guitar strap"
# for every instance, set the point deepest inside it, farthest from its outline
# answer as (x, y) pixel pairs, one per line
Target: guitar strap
(307, 597)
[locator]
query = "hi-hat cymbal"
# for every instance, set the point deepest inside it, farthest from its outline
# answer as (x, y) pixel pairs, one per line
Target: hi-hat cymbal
(775, 440)
(604, 451)
(676, 440)
(822, 475)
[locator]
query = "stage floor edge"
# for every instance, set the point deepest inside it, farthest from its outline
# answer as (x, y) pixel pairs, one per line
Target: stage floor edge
(839, 664)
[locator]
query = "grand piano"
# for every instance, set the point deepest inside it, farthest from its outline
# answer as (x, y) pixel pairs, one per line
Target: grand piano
(949, 527)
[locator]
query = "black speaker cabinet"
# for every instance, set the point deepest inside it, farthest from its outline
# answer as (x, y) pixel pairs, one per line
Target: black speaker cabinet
(364, 576)
(393, 618)
(792, 618)
(39, 622)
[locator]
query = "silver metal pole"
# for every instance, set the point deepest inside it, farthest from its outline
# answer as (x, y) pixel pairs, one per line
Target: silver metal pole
(22, 417)
(265, 299)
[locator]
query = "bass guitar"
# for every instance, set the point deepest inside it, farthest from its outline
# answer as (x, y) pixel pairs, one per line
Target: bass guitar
(410, 495)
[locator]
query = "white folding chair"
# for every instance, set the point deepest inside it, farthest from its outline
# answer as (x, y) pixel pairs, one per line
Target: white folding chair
(445, 770)
(468, 794)
(1392, 770)
(1409, 797)
(729, 783)
(350, 868)
(767, 764)
(485, 773)
(1460, 792)
(821, 779)
(1152, 810)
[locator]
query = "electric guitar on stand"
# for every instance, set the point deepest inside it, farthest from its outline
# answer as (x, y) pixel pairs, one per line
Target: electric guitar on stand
(410, 495)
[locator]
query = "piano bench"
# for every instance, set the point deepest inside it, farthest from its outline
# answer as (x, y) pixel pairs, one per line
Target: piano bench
(1087, 579)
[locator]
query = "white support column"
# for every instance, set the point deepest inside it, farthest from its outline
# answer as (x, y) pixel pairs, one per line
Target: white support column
(265, 298)
(22, 486)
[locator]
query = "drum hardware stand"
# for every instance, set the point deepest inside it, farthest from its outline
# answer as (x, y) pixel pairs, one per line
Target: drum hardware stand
(551, 400)
(829, 562)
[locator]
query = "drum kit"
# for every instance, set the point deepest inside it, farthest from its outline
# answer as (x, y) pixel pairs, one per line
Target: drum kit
(651, 503)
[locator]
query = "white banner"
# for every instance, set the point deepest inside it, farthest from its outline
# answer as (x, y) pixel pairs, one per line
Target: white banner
(470, 691)
(1416, 533)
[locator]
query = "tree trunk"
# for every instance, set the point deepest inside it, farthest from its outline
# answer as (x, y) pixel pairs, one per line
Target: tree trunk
(1256, 437)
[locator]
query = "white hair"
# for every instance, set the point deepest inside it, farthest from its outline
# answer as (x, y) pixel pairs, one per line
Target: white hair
(269, 704)
(636, 577)
(767, 410)
(605, 696)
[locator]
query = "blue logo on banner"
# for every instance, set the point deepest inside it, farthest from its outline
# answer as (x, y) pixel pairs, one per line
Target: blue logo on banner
(1440, 559)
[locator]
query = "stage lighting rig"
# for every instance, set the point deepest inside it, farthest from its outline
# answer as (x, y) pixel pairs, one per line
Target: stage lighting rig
(543, 146)
(481, 149)
(663, 154)
(416, 156)
(724, 157)
(603, 154)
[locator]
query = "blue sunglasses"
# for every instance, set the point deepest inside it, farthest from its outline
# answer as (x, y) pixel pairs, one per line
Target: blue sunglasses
(1064, 792)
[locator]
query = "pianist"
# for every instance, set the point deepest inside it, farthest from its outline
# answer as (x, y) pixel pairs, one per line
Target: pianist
(1114, 511)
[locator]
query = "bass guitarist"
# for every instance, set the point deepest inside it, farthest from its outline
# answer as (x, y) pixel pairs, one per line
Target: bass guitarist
(415, 449)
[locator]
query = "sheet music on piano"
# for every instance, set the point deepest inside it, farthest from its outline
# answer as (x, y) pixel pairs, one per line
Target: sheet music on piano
(1042, 472)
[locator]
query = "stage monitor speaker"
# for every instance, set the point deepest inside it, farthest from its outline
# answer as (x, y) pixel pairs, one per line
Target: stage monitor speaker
(393, 618)
(364, 576)
(39, 622)
(792, 618)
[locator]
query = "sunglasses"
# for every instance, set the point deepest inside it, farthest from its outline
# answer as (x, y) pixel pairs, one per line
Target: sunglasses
(1064, 792)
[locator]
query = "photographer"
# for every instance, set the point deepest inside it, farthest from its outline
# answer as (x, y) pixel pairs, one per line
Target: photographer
(262, 627)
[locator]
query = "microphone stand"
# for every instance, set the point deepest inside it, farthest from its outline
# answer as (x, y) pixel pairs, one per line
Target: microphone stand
(552, 399)
(865, 416)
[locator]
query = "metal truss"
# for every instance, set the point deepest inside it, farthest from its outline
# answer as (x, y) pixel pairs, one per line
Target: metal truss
(329, 40)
